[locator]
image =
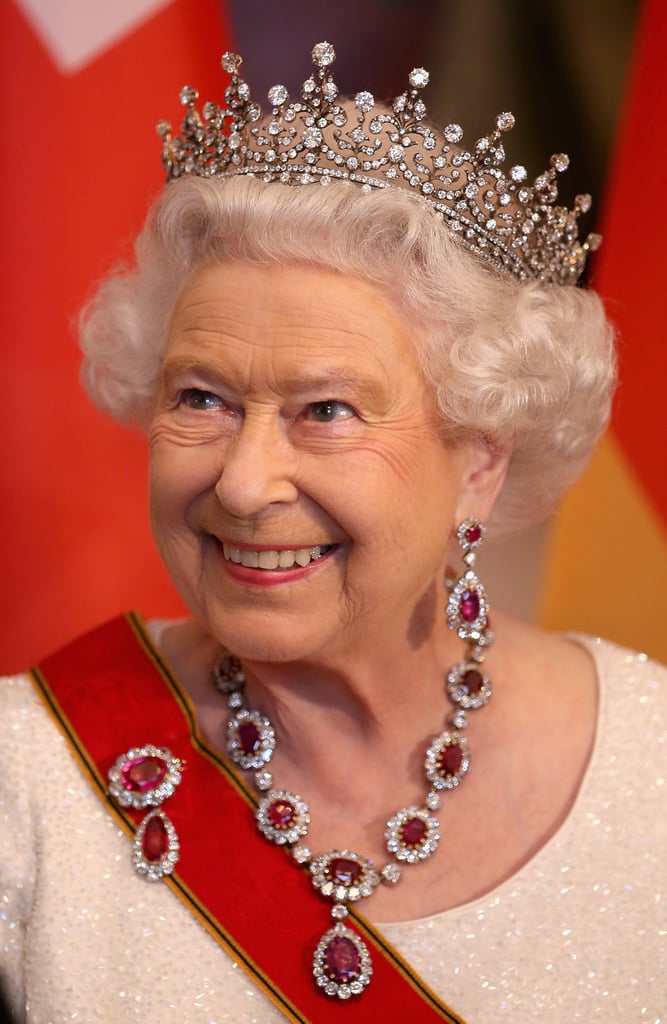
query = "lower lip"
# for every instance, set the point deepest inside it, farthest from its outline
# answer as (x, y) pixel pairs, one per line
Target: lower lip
(270, 577)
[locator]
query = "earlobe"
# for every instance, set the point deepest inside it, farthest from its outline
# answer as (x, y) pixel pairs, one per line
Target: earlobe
(482, 482)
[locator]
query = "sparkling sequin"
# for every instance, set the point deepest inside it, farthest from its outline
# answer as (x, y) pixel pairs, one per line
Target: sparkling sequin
(574, 936)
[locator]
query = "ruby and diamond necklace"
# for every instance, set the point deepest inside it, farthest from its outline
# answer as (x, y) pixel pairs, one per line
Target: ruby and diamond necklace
(342, 964)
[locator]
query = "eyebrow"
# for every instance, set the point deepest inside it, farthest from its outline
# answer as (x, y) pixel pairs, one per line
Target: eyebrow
(337, 378)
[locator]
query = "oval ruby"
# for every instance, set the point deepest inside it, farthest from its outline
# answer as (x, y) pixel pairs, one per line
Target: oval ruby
(342, 960)
(473, 680)
(469, 606)
(473, 534)
(143, 773)
(248, 737)
(280, 813)
(451, 759)
(344, 871)
(413, 832)
(155, 840)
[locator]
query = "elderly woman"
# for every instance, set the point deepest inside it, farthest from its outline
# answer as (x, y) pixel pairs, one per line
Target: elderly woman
(341, 387)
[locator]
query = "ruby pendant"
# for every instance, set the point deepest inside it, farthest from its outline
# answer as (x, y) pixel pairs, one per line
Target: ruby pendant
(468, 685)
(251, 739)
(467, 607)
(156, 847)
(447, 760)
(342, 965)
(282, 817)
(143, 773)
(412, 835)
(470, 534)
(144, 776)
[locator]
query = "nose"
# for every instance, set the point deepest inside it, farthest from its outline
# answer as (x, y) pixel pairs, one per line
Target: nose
(258, 467)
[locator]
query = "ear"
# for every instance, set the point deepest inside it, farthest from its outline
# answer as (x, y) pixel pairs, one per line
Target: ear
(482, 481)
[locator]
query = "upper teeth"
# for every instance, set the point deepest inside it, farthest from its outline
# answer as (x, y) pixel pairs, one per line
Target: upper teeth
(273, 559)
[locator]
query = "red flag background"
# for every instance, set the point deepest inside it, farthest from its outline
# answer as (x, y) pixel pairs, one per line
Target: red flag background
(82, 162)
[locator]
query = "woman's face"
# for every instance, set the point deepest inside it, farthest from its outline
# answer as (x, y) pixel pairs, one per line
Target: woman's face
(301, 497)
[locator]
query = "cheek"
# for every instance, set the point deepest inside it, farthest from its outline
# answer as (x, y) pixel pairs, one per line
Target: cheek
(179, 473)
(412, 470)
(386, 456)
(173, 503)
(391, 511)
(173, 492)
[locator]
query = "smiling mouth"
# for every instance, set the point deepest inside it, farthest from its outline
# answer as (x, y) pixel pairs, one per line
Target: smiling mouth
(287, 558)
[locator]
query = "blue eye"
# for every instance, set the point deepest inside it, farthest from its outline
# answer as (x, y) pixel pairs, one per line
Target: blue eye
(206, 401)
(329, 411)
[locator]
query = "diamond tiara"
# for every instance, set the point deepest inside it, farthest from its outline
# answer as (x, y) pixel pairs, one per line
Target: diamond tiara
(497, 214)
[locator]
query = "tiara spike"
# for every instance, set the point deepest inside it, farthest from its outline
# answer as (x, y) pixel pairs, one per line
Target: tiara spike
(276, 96)
(418, 78)
(516, 227)
(188, 96)
(323, 55)
(231, 62)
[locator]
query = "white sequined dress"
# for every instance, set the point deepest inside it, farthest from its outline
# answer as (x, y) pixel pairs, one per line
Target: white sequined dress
(578, 934)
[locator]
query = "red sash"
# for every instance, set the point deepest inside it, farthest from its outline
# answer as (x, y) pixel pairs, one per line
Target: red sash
(111, 690)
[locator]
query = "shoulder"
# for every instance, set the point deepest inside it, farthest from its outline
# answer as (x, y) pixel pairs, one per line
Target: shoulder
(630, 751)
(24, 720)
(31, 750)
(612, 655)
(17, 691)
(624, 786)
(572, 662)
(31, 745)
(632, 681)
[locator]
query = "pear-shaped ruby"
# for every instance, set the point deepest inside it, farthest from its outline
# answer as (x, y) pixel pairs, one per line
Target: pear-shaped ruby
(155, 840)
(248, 737)
(413, 831)
(281, 813)
(450, 759)
(469, 606)
(143, 773)
(473, 680)
(342, 960)
(344, 871)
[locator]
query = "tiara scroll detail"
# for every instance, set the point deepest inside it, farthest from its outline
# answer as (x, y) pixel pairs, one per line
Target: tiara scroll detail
(496, 213)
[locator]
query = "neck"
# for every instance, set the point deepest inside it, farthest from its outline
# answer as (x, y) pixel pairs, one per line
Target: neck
(360, 701)
(373, 707)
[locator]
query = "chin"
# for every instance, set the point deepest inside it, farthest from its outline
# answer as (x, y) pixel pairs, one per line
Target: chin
(267, 637)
